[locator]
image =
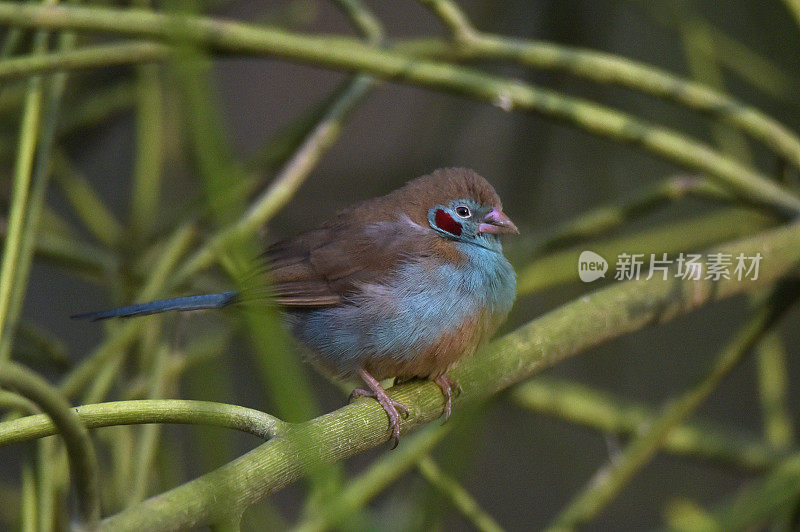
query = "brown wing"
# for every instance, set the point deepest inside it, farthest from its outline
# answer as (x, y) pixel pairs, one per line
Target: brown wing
(323, 266)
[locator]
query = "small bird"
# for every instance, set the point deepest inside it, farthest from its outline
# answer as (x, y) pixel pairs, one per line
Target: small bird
(403, 285)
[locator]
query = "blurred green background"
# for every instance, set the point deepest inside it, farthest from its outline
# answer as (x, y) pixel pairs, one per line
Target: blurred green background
(520, 466)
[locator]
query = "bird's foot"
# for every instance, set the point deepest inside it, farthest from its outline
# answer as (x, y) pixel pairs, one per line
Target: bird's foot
(447, 387)
(392, 408)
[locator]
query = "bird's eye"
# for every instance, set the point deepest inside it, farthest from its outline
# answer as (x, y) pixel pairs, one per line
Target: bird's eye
(463, 211)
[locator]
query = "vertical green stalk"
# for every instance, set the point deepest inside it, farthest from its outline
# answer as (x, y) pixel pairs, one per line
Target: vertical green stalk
(29, 132)
(701, 57)
(46, 484)
(146, 188)
(11, 42)
(29, 502)
(41, 178)
(773, 383)
(147, 446)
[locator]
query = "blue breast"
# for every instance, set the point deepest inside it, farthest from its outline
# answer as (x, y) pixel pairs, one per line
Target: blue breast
(416, 305)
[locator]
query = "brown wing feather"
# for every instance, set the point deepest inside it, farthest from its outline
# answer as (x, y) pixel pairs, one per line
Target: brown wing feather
(322, 267)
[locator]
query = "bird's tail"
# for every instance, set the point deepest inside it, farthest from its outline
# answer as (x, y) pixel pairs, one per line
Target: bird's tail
(164, 305)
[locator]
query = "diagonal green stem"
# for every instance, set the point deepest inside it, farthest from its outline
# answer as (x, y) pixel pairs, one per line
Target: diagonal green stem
(581, 404)
(604, 487)
(458, 496)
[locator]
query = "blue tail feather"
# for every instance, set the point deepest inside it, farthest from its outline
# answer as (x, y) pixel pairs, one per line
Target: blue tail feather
(207, 301)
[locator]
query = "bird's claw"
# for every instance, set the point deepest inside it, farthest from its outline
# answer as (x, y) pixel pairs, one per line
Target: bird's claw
(393, 408)
(447, 386)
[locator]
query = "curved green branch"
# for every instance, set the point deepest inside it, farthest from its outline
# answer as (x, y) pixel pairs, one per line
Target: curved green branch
(82, 459)
(144, 411)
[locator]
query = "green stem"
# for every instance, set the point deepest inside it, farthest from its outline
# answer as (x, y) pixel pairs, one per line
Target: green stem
(459, 497)
(682, 236)
(146, 187)
(83, 463)
(29, 504)
(41, 179)
(15, 237)
(461, 30)
(178, 411)
(606, 68)
(352, 429)
(147, 445)
(580, 404)
(90, 57)
(773, 384)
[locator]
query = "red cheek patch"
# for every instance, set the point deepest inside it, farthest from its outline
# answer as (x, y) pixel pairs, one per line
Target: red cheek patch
(445, 222)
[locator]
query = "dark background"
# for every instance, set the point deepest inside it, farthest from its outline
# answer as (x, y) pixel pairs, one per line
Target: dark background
(521, 467)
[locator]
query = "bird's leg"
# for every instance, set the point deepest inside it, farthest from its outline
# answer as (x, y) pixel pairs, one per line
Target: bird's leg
(390, 406)
(447, 387)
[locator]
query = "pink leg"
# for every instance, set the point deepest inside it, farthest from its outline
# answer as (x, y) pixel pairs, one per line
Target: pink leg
(392, 407)
(447, 387)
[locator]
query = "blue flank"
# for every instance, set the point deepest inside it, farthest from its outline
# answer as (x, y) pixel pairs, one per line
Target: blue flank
(164, 305)
(416, 306)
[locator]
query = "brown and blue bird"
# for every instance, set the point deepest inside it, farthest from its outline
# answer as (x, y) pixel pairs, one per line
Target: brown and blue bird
(403, 285)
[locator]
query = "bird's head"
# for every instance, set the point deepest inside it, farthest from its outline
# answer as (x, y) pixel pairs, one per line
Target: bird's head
(468, 220)
(459, 205)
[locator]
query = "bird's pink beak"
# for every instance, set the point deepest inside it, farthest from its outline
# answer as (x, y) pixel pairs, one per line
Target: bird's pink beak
(496, 222)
